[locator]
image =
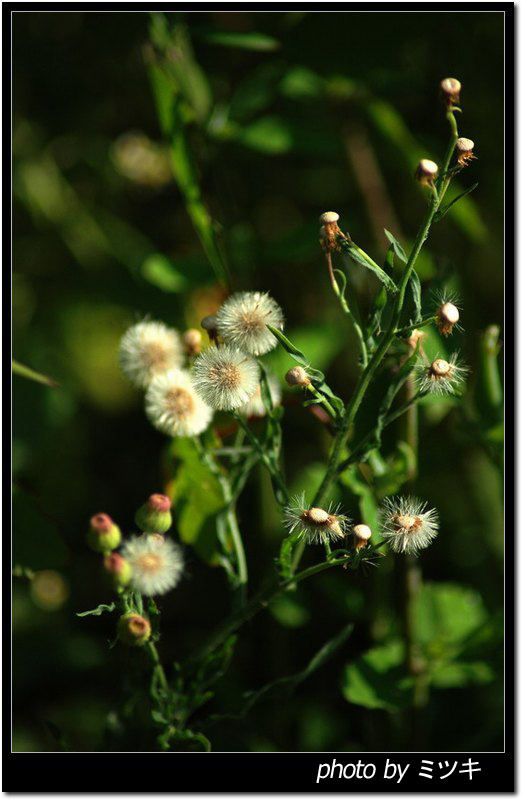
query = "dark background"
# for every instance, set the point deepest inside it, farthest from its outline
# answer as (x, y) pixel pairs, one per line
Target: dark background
(335, 115)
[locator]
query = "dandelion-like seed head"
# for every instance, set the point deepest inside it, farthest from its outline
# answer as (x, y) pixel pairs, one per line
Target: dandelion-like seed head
(224, 377)
(156, 563)
(174, 407)
(315, 525)
(406, 525)
(447, 311)
(255, 406)
(242, 322)
(441, 377)
(149, 349)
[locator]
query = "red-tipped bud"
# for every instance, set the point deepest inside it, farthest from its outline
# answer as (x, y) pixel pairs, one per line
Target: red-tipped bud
(118, 569)
(133, 630)
(154, 516)
(103, 535)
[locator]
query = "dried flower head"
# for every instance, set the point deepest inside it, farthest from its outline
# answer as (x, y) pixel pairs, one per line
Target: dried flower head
(242, 322)
(361, 535)
(464, 148)
(192, 341)
(447, 311)
(297, 376)
(451, 88)
(426, 172)
(441, 376)
(406, 526)
(174, 407)
(156, 563)
(415, 336)
(255, 406)
(329, 231)
(315, 525)
(149, 349)
(225, 377)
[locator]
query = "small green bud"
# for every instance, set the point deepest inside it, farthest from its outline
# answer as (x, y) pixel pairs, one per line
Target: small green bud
(154, 515)
(103, 535)
(118, 569)
(133, 630)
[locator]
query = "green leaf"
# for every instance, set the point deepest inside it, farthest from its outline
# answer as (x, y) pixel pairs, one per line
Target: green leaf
(378, 679)
(446, 614)
(96, 612)
(289, 347)
(416, 291)
(397, 247)
(400, 466)
(197, 498)
(245, 41)
(32, 375)
(270, 134)
(457, 674)
(162, 272)
(443, 211)
(288, 611)
(355, 253)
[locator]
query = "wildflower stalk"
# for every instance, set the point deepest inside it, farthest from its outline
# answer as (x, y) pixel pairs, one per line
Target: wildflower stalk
(346, 308)
(258, 602)
(158, 673)
(366, 377)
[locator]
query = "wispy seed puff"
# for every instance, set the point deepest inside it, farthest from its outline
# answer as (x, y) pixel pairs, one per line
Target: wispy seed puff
(156, 563)
(174, 407)
(149, 349)
(242, 322)
(441, 377)
(225, 378)
(406, 525)
(315, 525)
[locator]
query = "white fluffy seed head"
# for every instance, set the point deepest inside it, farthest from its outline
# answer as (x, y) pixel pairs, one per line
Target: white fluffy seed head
(441, 376)
(315, 525)
(157, 563)
(406, 525)
(242, 322)
(149, 349)
(255, 406)
(174, 407)
(225, 378)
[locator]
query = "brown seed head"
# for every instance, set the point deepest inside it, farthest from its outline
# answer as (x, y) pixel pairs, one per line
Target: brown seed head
(440, 368)
(447, 318)
(426, 172)
(451, 88)
(297, 377)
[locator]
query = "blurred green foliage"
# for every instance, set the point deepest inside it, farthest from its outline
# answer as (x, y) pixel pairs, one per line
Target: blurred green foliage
(266, 120)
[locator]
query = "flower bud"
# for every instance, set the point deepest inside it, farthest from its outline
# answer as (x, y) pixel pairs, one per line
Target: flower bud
(450, 88)
(297, 376)
(133, 630)
(362, 534)
(192, 341)
(447, 318)
(464, 148)
(426, 172)
(118, 569)
(103, 535)
(154, 515)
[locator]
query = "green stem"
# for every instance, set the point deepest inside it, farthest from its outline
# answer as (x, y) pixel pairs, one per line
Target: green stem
(423, 322)
(322, 400)
(347, 310)
(257, 603)
(158, 670)
(269, 463)
(230, 516)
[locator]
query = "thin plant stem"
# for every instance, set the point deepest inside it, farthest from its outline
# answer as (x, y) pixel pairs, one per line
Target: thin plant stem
(231, 519)
(347, 310)
(158, 670)
(269, 462)
(322, 400)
